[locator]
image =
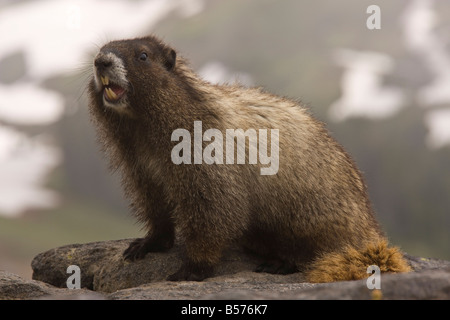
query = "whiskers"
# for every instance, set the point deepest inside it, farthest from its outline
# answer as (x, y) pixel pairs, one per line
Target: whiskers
(77, 79)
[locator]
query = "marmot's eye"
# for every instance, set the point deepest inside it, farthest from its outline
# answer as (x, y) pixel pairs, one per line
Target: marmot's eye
(143, 56)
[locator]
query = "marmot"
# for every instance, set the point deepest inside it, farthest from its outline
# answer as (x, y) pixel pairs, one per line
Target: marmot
(312, 214)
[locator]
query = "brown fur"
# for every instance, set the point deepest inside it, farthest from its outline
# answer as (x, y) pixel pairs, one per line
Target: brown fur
(314, 212)
(351, 264)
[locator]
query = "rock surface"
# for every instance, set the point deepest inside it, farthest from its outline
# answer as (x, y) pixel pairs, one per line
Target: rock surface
(105, 275)
(13, 287)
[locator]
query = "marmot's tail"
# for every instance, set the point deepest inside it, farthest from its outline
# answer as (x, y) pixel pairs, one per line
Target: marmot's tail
(352, 264)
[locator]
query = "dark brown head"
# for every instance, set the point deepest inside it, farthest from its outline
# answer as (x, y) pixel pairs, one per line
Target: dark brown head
(130, 73)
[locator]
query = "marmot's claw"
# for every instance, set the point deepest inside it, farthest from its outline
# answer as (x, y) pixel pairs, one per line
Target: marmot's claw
(136, 250)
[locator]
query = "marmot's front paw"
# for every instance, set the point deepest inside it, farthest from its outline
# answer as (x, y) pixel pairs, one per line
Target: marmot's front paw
(140, 247)
(136, 250)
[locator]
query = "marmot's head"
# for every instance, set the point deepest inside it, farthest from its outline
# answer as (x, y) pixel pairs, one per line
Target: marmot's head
(129, 73)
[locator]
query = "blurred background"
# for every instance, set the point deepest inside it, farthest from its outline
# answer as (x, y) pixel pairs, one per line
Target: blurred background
(384, 94)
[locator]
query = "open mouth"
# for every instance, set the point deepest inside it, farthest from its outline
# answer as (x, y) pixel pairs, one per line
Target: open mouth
(111, 92)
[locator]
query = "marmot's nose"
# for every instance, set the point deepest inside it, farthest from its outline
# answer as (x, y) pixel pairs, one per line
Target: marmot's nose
(102, 61)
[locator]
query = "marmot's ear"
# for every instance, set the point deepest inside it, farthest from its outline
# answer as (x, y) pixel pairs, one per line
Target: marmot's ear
(170, 59)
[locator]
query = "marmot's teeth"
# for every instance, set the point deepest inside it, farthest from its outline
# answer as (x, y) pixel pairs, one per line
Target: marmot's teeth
(110, 94)
(105, 80)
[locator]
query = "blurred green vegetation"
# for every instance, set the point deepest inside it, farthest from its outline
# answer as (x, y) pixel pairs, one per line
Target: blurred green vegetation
(75, 221)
